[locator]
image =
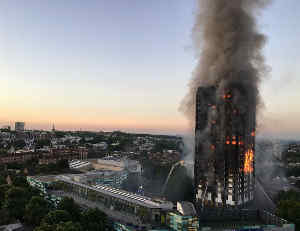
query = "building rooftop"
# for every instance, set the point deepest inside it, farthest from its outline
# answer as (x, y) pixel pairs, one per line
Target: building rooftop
(186, 208)
(100, 164)
(124, 195)
(78, 164)
(45, 179)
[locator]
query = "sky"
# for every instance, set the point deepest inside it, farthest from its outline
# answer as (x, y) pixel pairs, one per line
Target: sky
(125, 65)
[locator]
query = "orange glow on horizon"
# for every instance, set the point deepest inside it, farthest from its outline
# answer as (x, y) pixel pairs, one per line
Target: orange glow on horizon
(97, 123)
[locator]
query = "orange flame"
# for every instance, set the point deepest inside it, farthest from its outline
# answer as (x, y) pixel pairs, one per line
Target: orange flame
(227, 96)
(248, 164)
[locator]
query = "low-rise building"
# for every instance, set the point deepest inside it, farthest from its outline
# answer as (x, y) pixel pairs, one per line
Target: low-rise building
(80, 165)
(104, 177)
(44, 156)
(184, 218)
(88, 138)
(134, 212)
(117, 204)
(100, 146)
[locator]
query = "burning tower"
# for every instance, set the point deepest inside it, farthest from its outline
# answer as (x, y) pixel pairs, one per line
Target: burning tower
(224, 96)
(224, 153)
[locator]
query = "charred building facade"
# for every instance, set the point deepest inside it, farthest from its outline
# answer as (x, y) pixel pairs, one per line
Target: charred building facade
(224, 147)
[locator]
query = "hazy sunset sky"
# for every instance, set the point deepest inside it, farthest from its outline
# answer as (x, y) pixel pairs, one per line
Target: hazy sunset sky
(125, 64)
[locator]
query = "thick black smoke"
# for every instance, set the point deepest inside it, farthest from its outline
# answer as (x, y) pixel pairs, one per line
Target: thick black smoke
(230, 51)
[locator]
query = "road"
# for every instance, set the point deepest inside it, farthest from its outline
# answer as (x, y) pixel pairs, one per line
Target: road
(262, 200)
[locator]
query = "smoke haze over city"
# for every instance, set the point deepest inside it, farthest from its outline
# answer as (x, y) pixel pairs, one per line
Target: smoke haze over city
(73, 69)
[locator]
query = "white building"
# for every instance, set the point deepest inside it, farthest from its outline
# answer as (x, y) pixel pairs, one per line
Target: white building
(101, 145)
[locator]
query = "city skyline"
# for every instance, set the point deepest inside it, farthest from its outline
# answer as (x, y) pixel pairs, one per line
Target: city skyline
(115, 66)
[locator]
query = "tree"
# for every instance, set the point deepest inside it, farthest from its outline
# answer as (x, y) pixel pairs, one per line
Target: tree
(289, 195)
(288, 207)
(164, 144)
(62, 164)
(94, 220)
(2, 180)
(69, 205)
(15, 200)
(52, 167)
(60, 134)
(3, 190)
(33, 191)
(45, 142)
(15, 165)
(5, 217)
(20, 181)
(63, 226)
(45, 227)
(43, 168)
(290, 210)
(35, 210)
(68, 226)
(56, 216)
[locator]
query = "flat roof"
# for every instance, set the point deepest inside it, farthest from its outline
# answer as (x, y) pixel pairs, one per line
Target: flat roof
(186, 208)
(124, 195)
(78, 163)
(45, 179)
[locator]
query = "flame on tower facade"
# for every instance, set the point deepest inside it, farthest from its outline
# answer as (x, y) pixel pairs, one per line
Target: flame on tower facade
(225, 146)
(223, 100)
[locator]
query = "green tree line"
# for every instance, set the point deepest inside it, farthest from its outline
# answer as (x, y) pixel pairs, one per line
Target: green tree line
(21, 202)
(288, 207)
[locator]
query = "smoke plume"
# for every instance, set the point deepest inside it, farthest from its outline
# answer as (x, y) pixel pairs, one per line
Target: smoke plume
(230, 51)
